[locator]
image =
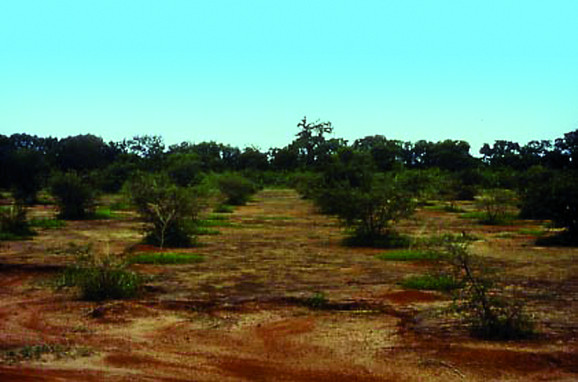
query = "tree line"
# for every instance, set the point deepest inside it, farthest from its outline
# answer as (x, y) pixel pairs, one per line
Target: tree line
(27, 161)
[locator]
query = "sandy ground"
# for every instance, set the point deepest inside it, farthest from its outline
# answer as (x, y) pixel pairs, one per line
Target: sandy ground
(241, 315)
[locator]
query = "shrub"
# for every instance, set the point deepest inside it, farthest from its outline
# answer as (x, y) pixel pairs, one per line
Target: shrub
(170, 211)
(236, 189)
(74, 195)
(27, 174)
(100, 277)
(307, 184)
(185, 169)
(481, 302)
(13, 223)
(554, 195)
(496, 205)
(370, 213)
(317, 301)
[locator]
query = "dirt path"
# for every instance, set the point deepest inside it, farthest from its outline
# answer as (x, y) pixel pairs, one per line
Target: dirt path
(241, 314)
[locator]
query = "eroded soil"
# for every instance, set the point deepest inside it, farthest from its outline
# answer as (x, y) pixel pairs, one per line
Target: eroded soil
(242, 314)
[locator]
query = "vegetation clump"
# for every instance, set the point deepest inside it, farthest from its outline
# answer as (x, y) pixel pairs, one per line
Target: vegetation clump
(170, 211)
(100, 278)
(481, 302)
(165, 258)
(411, 255)
(370, 213)
(74, 195)
(439, 282)
(14, 224)
(236, 189)
(496, 205)
(554, 196)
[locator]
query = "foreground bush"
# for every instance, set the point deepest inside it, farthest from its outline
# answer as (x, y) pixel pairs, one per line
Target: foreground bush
(170, 211)
(482, 303)
(13, 223)
(100, 277)
(74, 195)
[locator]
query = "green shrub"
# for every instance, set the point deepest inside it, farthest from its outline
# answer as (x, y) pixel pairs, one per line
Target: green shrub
(496, 205)
(369, 212)
(74, 195)
(482, 303)
(170, 211)
(13, 223)
(317, 301)
(236, 189)
(100, 278)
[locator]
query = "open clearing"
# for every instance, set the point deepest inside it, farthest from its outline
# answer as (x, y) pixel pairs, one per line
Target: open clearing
(242, 314)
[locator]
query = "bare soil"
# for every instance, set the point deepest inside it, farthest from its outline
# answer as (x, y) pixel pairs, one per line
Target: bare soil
(242, 314)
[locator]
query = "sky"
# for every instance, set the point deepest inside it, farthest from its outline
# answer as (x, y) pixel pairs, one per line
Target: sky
(245, 72)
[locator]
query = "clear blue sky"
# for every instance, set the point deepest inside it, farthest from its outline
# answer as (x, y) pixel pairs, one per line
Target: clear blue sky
(245, 72)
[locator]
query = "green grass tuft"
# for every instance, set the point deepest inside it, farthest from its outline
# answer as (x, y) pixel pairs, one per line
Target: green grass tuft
(532, 232)
(165, 258)
(102, 283)
(104, 213)
(431, 282)
(47, 223)
(410, 255)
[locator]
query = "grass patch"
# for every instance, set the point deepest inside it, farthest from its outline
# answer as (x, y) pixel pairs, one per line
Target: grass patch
(442, 283)
(215, 223)
(410, 255)
(200, 231)
(217, 217)
(444, 208)
(482, 218)
(47, 223)
(104, 213)
(165, 258)
(224, 209)
(532, 232)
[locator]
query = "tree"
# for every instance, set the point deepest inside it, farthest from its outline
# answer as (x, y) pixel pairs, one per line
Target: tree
(83, 153)
(387, 154)
(184, 169)
(27, 174)
(310, 140)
